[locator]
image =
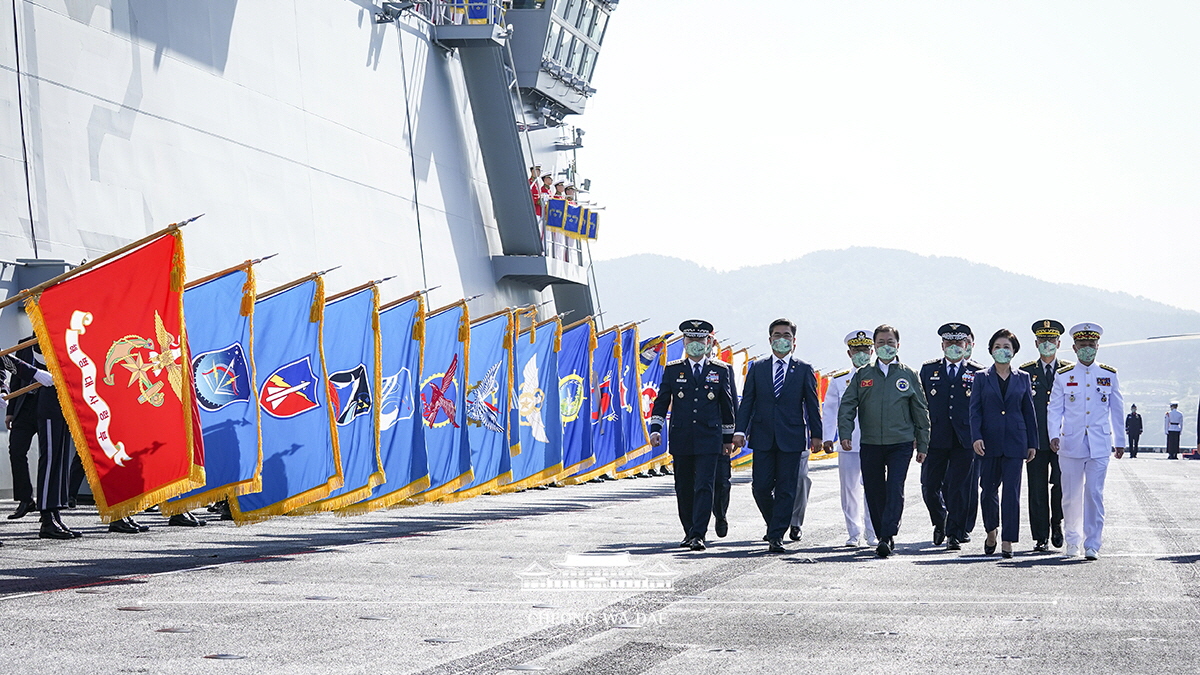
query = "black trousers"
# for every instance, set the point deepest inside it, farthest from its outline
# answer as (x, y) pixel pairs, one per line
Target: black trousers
(1001, 500)
(950, 489)
(695, 476)
(1133, 444)
(1173, 444)
(77, 476)
(774, 487)
(55, 449)
(722, 487)
(1045, 493)
(884, 469)
(20, 439)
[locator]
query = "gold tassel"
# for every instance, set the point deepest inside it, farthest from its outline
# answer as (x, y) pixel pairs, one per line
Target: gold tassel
(249, 291)
(178, 269)
(318, 306)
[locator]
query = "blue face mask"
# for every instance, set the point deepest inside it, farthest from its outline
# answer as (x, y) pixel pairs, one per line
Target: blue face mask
(954, 352)
(696, 349)
(860, 359)
(1002, 355)
(1086, 354)
(886, 352)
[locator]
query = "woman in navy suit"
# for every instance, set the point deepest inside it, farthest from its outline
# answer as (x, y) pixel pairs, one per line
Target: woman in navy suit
(1004, 433)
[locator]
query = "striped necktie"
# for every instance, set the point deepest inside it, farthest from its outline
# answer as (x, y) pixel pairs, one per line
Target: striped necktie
(778, 378)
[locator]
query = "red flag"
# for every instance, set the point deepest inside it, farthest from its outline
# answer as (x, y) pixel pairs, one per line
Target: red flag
(113, 337)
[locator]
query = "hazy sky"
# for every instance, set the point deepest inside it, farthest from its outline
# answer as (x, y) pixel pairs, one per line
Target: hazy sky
(1056, 139)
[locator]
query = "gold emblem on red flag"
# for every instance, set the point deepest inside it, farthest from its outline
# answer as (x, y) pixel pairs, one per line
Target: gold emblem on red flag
(127, 353)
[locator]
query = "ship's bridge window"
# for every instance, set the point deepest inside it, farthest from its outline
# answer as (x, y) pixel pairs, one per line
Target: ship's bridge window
(552, 40)
(563, 47)
(597, 31)
(577, 50)
(587, 64)
(586, 17)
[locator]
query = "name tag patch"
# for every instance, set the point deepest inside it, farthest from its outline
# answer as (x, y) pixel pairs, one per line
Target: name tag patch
(866, 383)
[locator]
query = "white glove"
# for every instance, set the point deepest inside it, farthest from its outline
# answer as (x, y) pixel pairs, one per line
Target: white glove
(3, 404)
(44, 378)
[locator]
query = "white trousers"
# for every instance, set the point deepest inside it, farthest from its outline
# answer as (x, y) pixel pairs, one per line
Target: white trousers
(853, 503)
(1083, 500)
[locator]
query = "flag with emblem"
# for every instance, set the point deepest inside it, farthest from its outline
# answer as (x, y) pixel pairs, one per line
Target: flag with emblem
(652, 358)
(742, 363)
(556, 214)
(301, 457)
(440, 400)
(634, 436)
(401, 427)
(571, 221)
(607, 444)
(593, 225)
(352, 354)
(221, 341)
(540, 458)
(487, 400)
(113, 338)
(574, 394)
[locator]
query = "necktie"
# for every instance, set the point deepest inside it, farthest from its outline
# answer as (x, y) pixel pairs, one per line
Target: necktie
(953, 371)
(696, 371)
(778, 378)
(1050, 371)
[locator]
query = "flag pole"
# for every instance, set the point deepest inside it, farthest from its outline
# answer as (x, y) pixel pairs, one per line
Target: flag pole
(22, 390)
(297, 282)
(94, 263)
(227, 270)
(18, 347)
(360, 287)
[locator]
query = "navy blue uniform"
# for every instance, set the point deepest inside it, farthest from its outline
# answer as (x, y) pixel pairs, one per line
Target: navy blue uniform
(23, 429)
(1043, 474)
(950, 474)
(55, 446)
(701, 424)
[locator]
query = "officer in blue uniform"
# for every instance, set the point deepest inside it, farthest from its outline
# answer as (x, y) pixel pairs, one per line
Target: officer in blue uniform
(697, 391)
(950, 474)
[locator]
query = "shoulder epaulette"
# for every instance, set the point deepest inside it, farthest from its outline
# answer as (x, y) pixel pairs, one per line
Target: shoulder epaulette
(840, 373)
(930, 362)
(1029, 365)
(1066, 363)
(675, 362)
(975, 363)
(1065, 368)
(1107, 367)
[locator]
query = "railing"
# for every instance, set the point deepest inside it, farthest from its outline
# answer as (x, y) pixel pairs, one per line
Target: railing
(462, 12)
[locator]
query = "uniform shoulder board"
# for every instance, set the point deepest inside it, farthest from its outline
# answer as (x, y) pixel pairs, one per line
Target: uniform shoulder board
(1066, 364)
(675, 362)
(1065, 367)
(840, 373)
(1028, 365)
(1107, 367)
(930, 362)
(976, 364)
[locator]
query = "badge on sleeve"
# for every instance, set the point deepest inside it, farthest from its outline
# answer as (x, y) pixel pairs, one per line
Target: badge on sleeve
(902, 384)
(866, 383)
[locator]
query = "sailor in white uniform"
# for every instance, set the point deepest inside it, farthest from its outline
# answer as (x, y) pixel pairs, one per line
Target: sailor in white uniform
(1173, 429)
(1085, 420)
(861, 346)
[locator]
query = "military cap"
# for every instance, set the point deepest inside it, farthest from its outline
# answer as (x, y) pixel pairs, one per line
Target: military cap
(561, 182)
(859, 338)
(955, 331)
(1048, 328)
(1086, 331)
(1174, 404)
(696, 328)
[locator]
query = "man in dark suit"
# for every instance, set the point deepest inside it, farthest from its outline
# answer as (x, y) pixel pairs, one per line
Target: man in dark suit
(21, 422)
(1045, 502)
(696, 390)
(1133, 430)
(779, 409)
(950, 474)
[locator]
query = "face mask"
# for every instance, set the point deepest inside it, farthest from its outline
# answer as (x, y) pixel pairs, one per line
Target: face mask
(860, 359)
(1087, 354)
(886, 352)
(696, 349)
(1002, 355)
(954, 352)
(1047, 348)
(781, 345)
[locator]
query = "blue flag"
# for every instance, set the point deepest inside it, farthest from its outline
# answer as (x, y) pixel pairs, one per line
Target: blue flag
(488, 404)
(574, 395)
(571, 223)
(651, 359)
(674, 353)
(352, 354)
(593, 224)
(301, 459)
(220, 313)
(540, 459)
(607, 444)
(440, 406)
(744, 454)
(401, 428)
(556, 214)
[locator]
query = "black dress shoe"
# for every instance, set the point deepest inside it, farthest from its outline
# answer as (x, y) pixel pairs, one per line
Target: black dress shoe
(766, 538)
(965, 539)
(776, 546)
(989, 548)
(1041, 546)
(58, 521)
(722, 527)
(1005, 554)
(52, 530)
(226, 514)
(953, 544)
(140, 527)
(794, 533)
(891, 542)
(185, 520)
(686, 543)
(23, 509)
(883, 550)
(697, 544)
(939, 535)
(1056, 535)
(123, 526)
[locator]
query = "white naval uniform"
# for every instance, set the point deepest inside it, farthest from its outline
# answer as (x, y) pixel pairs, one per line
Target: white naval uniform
(1173, 421)
(849, 463)
(1086, 413)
